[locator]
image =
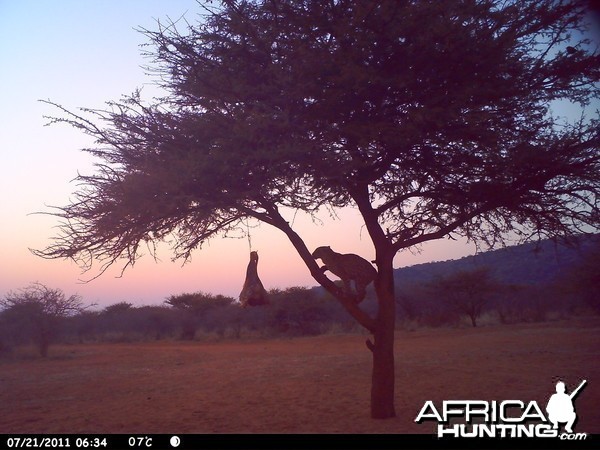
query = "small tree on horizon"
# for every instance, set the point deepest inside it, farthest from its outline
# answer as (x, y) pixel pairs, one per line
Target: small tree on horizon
(37, 310)
(431, 118)
(467, 292)
(579, 281)
(195, 306)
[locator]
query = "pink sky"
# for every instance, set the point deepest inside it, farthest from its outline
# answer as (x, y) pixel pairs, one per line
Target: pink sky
(82, 54)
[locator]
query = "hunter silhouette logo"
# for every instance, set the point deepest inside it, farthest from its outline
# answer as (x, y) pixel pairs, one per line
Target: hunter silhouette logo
(560, 406)
(507, 418)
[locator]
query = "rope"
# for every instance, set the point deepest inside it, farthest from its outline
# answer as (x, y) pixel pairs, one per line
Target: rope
(248, 234)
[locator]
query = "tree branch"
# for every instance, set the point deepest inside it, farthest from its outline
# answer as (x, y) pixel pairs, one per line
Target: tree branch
(347, 301)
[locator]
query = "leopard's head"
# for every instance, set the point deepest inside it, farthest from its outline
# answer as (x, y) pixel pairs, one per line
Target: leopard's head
(321, 251)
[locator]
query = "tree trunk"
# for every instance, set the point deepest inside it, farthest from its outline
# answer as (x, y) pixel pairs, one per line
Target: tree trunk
(43, 344)
(42, 336)
(473, 319)
(383, 375)
(382, 328)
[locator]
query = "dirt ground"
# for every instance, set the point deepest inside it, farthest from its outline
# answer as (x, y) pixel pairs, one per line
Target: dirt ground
(304, 385)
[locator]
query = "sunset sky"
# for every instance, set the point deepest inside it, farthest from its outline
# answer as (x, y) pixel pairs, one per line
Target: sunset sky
(82, 54)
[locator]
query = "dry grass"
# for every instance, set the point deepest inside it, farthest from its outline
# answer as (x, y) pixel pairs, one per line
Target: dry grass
(304, 385)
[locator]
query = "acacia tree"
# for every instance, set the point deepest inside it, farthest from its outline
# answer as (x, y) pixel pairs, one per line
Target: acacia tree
(431, 118)
(194, 307)
(467, 291)
(37, 310)
(578, 280)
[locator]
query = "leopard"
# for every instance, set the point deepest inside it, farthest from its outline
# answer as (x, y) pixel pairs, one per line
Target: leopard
(348, 267)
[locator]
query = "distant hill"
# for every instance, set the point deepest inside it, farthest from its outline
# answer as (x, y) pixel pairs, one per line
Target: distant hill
(531, 264)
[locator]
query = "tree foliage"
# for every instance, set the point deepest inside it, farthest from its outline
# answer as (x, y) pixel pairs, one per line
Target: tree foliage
(196, 308)
(467, 291)
(198, 302)
(583, 279)
(36, 311)
(435, 129)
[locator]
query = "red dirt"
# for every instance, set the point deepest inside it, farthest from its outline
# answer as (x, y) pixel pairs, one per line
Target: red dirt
(304, 385)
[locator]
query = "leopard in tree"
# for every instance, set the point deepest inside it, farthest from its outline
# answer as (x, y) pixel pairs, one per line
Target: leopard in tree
(348, 267)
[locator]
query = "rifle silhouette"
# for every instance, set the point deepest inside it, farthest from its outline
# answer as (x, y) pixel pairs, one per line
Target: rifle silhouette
(576, 391)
